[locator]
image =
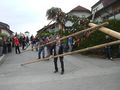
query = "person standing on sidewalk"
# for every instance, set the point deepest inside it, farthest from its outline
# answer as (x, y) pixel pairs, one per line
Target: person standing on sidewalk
(108, 51)
(17, 44)
(70, 43)
(1, 46)
(41, 51)
(58, 50)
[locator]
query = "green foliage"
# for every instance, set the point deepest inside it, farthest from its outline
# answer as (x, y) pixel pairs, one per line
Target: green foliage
(93, 39)
(42, 34)
(55, 13)
(78, 23)
(3, 35)
(98, 37)
(114, 25)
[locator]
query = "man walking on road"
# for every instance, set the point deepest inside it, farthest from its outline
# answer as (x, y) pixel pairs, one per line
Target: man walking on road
(17, 44)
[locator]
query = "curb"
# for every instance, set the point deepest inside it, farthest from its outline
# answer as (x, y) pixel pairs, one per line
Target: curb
(2, 59)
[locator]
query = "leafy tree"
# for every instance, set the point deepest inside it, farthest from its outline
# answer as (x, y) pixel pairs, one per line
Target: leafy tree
(56, 14)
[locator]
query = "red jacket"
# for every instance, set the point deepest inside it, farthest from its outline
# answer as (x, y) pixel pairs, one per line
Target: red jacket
(16, 41)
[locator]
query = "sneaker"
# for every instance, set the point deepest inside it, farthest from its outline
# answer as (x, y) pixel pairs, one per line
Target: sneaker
(111, 58)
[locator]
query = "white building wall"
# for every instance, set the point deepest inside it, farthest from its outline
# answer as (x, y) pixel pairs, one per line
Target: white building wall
(116, 17)
(98, 19)
(81, 14)
(107, 12)
(54, 30)
(4, 31)
(78, 14)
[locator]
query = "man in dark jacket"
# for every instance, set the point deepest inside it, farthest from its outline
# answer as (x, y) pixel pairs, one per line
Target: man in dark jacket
(108, 51)
(58, 50)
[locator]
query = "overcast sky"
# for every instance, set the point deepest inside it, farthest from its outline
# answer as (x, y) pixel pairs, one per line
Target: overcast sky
(30, 15)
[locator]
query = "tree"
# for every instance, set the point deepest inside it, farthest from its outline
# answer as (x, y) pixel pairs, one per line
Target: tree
(56, 14)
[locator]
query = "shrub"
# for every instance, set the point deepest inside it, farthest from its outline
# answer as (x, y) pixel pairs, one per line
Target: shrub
(98, 37)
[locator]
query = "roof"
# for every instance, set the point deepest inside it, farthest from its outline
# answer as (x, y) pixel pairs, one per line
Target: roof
(5, 26)
(105, 2)
(47, 27)
(108, 2)
(9, 31)
(80, 9)
(96, 4)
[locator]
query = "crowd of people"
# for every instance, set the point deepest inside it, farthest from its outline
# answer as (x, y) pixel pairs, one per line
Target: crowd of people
(7, 43)
(44, 50)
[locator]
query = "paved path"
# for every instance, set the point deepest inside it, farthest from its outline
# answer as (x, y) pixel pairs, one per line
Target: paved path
(81, 73)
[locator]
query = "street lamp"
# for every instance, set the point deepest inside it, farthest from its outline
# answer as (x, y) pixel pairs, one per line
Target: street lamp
(27, 33)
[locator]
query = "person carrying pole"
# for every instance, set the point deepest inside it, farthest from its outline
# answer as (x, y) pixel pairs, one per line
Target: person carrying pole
(108, 51)
(58, 50)
(41, 49)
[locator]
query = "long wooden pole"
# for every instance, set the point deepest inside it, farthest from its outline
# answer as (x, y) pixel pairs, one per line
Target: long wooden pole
(88, 29)
(92, 28)
(49, 22)
(107, 31)
(74, 52)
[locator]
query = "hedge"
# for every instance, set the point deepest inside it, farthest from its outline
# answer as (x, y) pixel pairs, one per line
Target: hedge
(98, 38)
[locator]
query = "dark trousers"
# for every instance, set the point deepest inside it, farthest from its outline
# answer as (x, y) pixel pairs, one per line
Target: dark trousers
(9, 47)
(52, 48)
(1, 50)
(4, 48)
(61, 62)
(108, 52)
(17, 49)
(23, 45)
(118, 50)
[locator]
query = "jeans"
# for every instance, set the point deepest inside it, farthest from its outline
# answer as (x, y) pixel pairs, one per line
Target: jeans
(41, 51)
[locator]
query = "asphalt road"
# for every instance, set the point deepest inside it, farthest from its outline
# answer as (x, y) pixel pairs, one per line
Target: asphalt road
(81, 73)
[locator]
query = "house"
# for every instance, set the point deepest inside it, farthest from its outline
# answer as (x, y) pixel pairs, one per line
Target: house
(105, 9)
(5, 28)
(80, 12)
(52, 28)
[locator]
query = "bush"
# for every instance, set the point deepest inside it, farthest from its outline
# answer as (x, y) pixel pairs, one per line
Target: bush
(98, 37)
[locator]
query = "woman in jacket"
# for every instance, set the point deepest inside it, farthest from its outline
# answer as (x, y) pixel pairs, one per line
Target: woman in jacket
(17, 44)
